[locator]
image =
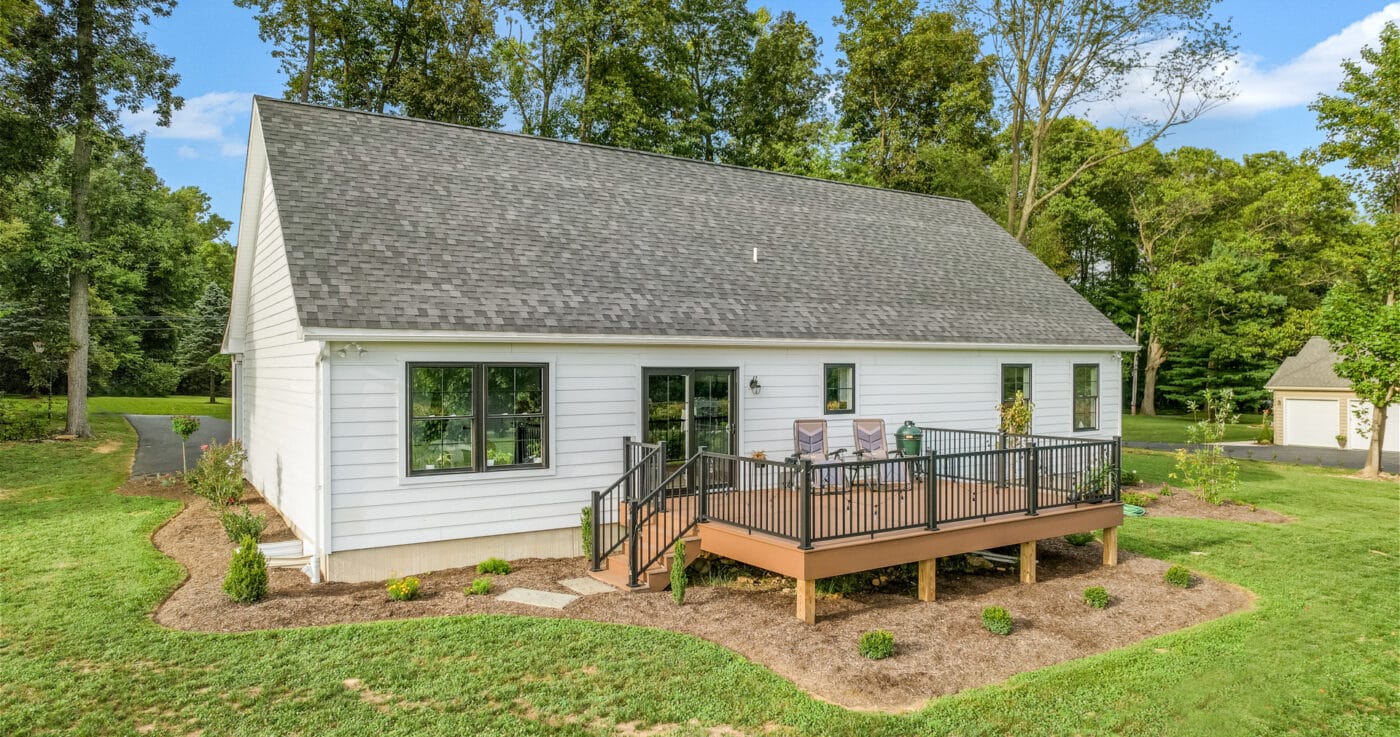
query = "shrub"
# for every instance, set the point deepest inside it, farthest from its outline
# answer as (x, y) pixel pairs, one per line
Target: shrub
(1178, 576)
(1016, 415)
(481, 586)
(18, 424)
(1141, 500)
(494, 566)
(1266, 432)
(585, 526)
(218, 476)
(1203, 465)
(1096, 597)
(1079, 539)
(1129, 477)
(996, 620)
(678, 579)
(403, 589)
(243, 523)
(1098, 483)
(877, 644)
(246, 581)
(144, 378)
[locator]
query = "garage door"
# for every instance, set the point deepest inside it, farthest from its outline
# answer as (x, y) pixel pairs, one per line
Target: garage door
(1392, 426)
(1311, 422)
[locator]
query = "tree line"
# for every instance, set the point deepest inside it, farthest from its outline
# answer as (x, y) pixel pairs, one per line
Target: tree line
(1220, 266)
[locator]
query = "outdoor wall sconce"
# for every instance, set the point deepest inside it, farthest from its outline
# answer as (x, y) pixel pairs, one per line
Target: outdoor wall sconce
(359, 349)
(754, 386)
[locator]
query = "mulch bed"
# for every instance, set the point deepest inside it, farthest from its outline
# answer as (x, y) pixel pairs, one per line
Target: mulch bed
(1182, 503)
(941, 646)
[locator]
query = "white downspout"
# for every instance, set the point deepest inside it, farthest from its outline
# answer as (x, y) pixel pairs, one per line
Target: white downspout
(316, 569)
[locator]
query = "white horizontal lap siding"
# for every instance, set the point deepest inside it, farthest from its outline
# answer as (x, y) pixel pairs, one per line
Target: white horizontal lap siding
(595, 399)
(278, 381)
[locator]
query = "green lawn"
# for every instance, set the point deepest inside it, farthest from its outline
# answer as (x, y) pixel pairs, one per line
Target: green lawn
(1172, 428)
(177, 405)
(80, 655)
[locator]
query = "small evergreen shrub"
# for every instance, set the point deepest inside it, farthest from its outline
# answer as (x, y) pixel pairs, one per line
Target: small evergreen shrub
(1266, 433)
(585, 525)
(403, 589)
(1096, 597)
(877, 644)
(493, 566)
(481, 586)
(218, 475)
(1079, 539)
(246, 581)
(1178, 576)
(243, 523)
(678, 577)
(1129, 477)
(996, 620)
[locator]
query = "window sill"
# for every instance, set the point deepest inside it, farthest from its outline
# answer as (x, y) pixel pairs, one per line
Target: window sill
(475, 477)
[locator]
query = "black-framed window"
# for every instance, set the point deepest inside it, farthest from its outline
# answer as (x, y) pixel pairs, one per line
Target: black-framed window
(1015, 377)
(468, 417)
(840, 382)
(1086, 396)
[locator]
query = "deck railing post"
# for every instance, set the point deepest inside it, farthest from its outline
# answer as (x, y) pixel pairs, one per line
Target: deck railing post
(1117, 468)
(1002, 459)
(627, 464)
(660, 477)
(633, 546)
(596, 545)
(702, 493)
(931, 490)
(805, 507)
(1033, 480)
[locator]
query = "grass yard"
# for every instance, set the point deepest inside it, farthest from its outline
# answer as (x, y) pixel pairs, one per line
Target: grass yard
(176, 405)
(80, 655)
(1172, 428)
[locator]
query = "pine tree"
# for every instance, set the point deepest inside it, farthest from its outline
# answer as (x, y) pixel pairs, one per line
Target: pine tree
(203, 338)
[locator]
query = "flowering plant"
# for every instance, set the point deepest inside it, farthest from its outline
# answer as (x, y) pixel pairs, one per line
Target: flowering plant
(403, 589)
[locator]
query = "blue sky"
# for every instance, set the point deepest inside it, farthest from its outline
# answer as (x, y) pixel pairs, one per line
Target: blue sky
(1289, 51)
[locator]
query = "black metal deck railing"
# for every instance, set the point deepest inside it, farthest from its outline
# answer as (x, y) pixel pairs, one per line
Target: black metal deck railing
(985, 475)
(643, 465)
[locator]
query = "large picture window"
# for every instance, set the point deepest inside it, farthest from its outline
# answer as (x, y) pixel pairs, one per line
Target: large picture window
(1015, 377)
(1086, 396)
(466, 417)
(840, 388)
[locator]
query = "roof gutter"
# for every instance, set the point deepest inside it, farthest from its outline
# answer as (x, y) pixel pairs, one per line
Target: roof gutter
(380, 335)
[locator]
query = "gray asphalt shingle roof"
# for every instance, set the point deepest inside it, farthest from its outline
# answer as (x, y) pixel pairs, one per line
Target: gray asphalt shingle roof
(1311, 368)
(393, 223)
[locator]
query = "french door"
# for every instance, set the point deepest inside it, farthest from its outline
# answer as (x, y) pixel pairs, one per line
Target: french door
(689, 409)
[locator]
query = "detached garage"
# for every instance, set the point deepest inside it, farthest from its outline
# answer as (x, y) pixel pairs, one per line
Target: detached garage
(1314, 406)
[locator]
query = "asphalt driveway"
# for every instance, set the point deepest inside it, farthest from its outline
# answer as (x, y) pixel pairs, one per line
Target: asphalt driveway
(1308, 456)
(158, 447)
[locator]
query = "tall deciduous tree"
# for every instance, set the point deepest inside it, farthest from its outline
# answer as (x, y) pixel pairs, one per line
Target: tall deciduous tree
(1061, 57)
(83, 62)
(916, 95)
(1362, 318)
(777, 116)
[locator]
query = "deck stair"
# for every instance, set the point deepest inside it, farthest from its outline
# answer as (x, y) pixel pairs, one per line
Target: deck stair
(656, 578)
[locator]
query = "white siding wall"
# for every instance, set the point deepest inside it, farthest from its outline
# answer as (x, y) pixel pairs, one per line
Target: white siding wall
(277, 382)
(595, 399)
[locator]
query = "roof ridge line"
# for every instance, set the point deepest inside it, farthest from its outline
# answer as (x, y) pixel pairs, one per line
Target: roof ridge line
(604, 147)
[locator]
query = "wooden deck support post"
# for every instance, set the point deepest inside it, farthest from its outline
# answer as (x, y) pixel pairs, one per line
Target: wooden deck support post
(1110, 546)
(928, 579)
(1028, 562)
(807, 600)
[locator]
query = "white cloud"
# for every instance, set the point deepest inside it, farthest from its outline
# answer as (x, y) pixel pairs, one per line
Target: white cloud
(212, 118)
(1260, 88)
(1300, 80)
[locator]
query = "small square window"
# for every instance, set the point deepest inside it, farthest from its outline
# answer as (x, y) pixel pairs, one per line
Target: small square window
(840, 388)
(1015, 377)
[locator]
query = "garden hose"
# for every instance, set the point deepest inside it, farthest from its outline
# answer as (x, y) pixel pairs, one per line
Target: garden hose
(1133, 510)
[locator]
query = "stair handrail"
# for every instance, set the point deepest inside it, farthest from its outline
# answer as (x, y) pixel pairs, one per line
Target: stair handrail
(647, 467)
(642, 511)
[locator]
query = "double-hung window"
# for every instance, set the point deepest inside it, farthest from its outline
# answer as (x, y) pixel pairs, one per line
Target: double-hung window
(1086, 396)
(1015, 377)
(840, 381)
(467, 417)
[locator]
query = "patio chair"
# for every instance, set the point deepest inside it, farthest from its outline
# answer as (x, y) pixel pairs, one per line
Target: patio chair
(809, 438)
(872, 445)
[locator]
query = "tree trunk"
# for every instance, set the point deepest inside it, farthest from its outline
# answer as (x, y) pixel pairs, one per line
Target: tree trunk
(310, 53)
(79, 188)
(213, 387)
(1372, 469)
(1137, 356)
(1156, 355)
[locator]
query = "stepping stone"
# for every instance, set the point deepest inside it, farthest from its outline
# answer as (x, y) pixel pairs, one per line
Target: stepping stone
(535, 597)
(585, 585)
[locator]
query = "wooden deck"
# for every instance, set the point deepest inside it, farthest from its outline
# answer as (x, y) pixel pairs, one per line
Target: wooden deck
(868, 527)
